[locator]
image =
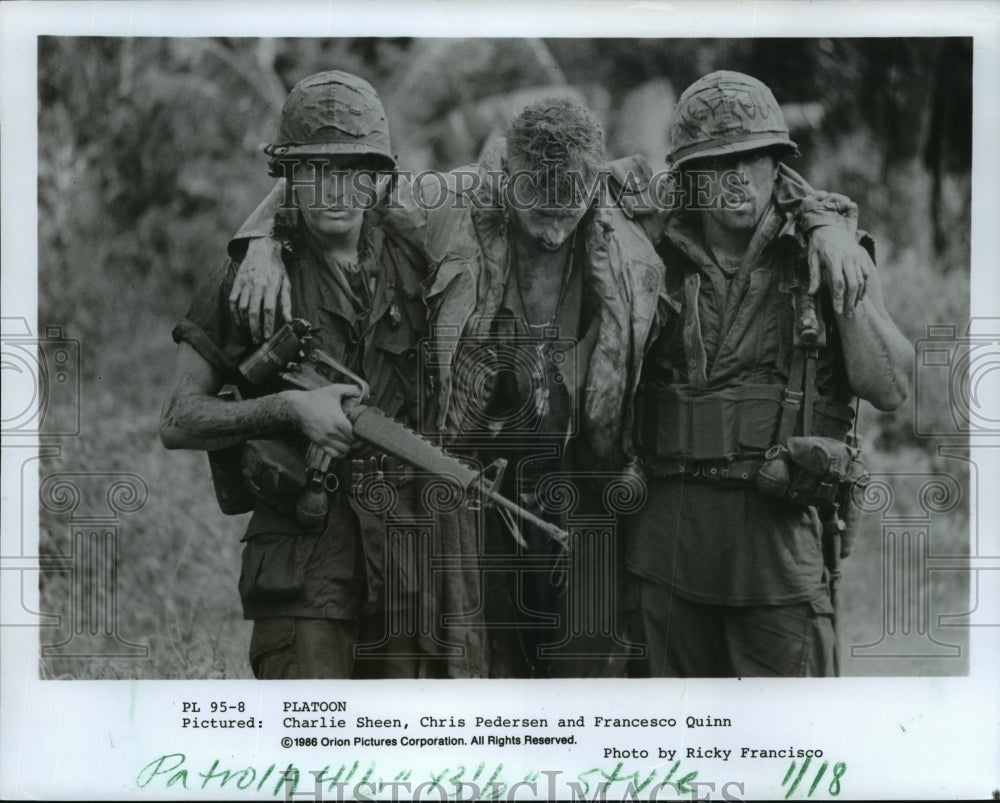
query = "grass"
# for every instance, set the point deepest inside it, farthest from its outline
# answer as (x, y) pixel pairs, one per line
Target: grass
(177, 557)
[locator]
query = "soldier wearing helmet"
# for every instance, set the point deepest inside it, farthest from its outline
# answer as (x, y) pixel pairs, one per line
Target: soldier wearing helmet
(540, 259)
(332, 113)
(315, 589)
(725, 565)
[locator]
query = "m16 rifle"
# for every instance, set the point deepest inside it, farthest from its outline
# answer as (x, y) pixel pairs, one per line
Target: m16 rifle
(835, 514)
(287, 356)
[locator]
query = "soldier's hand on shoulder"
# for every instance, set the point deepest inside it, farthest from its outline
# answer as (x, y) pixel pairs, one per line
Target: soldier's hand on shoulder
(261, 288)
(836, 259)
(319, 415)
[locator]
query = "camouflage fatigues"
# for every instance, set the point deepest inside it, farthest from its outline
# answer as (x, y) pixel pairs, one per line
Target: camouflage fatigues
(746, 571)
(351, 570)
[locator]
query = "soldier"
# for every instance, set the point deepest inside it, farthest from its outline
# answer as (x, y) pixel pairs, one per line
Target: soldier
(725, 563)
(314, 588)
(541, 274)
(550, 267)
(530, 259)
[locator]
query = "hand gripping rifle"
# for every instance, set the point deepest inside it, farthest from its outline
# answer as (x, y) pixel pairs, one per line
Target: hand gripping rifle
(287, 356)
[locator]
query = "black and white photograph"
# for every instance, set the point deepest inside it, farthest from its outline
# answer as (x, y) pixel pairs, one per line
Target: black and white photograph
(409, 406)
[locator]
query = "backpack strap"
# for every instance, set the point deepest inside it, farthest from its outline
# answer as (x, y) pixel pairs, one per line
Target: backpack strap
(793, 396)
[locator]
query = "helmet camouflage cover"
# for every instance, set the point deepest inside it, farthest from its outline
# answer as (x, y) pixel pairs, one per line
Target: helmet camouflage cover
(726, 112)
(332, 113)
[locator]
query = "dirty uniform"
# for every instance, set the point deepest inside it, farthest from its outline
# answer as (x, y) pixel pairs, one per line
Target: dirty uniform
(309, 592)
(577, 411)
(534, 405)
(722, 580)
(585, 424)
(556, 407)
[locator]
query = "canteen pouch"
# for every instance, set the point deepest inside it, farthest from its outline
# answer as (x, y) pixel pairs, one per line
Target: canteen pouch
(810, 470)
(275, 472)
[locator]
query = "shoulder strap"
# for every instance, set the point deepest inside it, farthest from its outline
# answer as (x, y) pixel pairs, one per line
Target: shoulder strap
(792, 400)
(809, 389)
(809, 336)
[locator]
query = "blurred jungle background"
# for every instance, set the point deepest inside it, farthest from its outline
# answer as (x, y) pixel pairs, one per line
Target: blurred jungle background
(149, 158)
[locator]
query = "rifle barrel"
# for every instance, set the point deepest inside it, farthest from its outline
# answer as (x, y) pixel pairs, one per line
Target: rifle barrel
(377, 429)
(557, 534)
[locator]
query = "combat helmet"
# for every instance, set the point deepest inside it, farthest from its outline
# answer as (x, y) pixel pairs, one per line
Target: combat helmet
(726, 112)
(329, 113)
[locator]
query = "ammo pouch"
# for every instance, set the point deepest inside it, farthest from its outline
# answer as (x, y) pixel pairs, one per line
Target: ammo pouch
(725, 424)
(275, 472)
(271, 470)
(226, 465)
(231, 491)
(811, 470)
